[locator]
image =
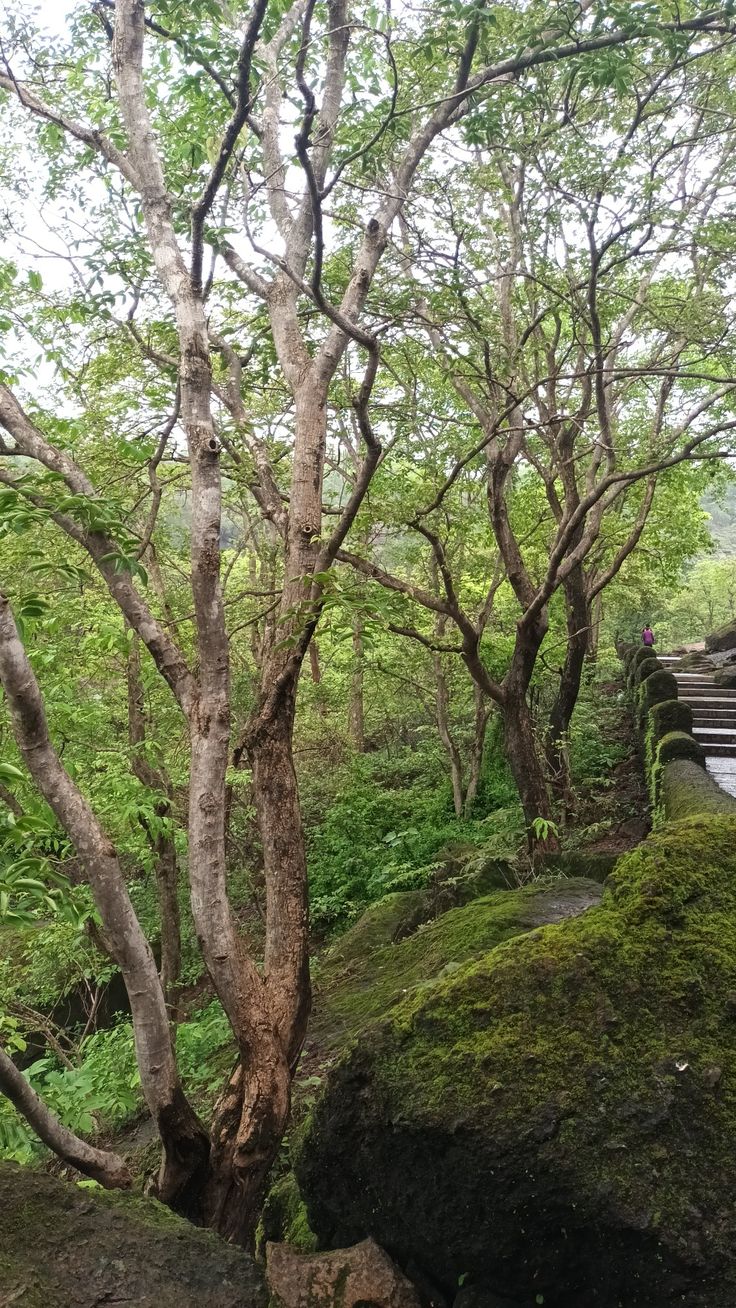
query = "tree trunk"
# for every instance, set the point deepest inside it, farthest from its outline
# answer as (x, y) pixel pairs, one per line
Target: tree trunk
(356, 717)
(595, 629)
(528, 773)
(442, 715)
(317, 677)
(248, 1125)
(166, 867)
(110, 1170)
(522, 747)
(167, 885)
(482, 716)
(578, 632)
(185, 1143)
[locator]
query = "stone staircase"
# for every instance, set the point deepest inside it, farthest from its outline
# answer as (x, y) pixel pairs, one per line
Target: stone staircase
(714, 720)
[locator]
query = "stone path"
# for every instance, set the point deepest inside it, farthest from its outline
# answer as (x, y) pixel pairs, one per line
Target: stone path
(714, 720)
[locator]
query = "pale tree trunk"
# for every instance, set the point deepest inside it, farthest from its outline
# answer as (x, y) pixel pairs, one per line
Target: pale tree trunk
(483, 710)
(356, 714)
(166, 868)
(246, 1131)
(442, 717)
(316, 672)
(185, 1143)
(107, 1168)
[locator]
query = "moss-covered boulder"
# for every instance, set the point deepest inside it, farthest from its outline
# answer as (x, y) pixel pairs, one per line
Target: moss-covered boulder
(555, 1121)
(725, 676)
(722, 639)
(284, 1218)
(64, 1246)
(641, 653)
(462, 877)
(354, 987)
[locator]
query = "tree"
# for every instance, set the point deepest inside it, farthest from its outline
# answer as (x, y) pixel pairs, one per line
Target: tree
(581, 321)
(177, 128)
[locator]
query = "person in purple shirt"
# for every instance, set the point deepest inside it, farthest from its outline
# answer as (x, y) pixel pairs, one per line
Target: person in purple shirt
(647, 635)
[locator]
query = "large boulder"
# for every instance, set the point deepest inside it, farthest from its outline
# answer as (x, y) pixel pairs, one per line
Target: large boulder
(724, 638)
(554, 1122)
(62, 1246)
(369, 970)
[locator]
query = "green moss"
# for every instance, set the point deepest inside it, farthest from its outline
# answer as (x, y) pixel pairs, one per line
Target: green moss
(660, 686)
(645, 668)
(61, 1244)
(679, 744)
(378, 926)
(578, 1085)
(355, 988)
(670, 715)
(284, 1217)
(687, 790)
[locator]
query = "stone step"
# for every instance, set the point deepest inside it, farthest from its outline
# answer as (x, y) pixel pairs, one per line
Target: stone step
(715, 735)
(724, 772)
(713, 750)
(716, 717)
(724, 694)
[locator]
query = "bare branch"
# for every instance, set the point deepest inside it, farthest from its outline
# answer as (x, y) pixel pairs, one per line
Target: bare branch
(109, 1169)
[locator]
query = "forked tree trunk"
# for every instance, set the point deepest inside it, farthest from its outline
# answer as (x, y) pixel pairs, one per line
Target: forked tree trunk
(248, 1125)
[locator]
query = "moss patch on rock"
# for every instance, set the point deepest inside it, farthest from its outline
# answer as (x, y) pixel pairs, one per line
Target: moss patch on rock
(645, 668)
(355, 988)
(660, 686)
(284, 1217)
(687, 789)
(670, 715)
(62, 1245)
(679, 744)
(557, 1117)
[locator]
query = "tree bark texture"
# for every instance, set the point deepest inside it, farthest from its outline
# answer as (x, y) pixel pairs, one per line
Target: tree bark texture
(560, 717)
(109, 1169)
(185, 1143)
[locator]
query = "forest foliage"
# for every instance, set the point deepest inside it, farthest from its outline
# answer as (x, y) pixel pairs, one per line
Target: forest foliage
(364, 378)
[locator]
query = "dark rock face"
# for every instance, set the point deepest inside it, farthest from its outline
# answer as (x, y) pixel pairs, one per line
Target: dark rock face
(66, 1247)
(557, 1118)
(724, 638)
